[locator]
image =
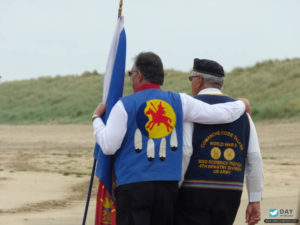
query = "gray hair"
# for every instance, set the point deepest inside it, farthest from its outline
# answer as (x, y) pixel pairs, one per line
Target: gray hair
(210, 79)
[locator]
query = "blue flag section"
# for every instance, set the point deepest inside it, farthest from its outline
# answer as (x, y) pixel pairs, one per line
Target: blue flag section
(112, 91)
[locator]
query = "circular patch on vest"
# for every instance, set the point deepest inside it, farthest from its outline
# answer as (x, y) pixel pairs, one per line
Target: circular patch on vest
(215, 153)
(156, 118)
(229, 154)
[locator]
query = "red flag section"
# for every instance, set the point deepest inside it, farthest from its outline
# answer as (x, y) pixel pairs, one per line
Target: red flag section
(105, 208)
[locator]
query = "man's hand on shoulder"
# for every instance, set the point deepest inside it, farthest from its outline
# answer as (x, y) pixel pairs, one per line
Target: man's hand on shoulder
(253, 213)
(247, 105)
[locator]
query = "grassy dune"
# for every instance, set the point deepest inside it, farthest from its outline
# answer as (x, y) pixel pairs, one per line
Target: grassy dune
(271, 86)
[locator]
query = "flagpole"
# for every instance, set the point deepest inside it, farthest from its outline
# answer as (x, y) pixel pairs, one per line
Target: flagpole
(120, 8)
(89, 192)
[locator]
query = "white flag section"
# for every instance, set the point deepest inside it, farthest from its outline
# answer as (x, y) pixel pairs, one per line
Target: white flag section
(111, 58)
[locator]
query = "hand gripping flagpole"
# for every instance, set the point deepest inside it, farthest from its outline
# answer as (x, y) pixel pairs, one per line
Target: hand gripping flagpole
(97, 147)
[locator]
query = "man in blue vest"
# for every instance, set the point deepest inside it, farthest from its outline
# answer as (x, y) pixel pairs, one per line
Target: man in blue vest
(216, 158)
(144, 133)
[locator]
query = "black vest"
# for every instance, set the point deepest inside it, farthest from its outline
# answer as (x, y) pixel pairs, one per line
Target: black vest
(219, 152)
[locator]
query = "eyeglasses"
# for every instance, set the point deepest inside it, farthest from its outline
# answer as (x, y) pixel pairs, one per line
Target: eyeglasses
(193, 76)
(131, 72)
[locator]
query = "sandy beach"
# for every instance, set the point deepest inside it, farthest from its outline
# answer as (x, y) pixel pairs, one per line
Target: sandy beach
(45, 172)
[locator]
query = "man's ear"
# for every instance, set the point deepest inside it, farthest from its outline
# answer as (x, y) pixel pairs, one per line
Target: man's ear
(140, 76)
(200, 82)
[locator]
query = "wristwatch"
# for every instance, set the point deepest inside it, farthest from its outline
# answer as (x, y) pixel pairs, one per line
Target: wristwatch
(95, 116)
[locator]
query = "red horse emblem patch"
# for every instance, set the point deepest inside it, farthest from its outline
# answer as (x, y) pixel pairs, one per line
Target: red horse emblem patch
(162, 118)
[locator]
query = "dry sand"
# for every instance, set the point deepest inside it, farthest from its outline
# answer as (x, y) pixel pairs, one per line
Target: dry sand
(45, 173)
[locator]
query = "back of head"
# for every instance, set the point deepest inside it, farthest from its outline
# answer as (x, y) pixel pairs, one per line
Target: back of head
(207, 66)
(211, 71)
(150, 65)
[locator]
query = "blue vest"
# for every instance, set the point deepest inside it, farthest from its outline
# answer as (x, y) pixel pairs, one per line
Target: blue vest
(152, 146)
(219, 152)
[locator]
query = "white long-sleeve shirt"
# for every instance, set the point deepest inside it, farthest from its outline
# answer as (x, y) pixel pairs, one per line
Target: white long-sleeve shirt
(254, 166)
(111, 135)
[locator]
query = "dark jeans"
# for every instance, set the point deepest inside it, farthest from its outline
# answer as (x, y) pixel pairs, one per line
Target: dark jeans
(146, 203)
(207, 207)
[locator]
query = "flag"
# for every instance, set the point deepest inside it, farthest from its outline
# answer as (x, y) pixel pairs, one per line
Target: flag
(112, 91)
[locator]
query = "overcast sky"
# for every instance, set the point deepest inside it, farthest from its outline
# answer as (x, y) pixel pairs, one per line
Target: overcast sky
(60, 37)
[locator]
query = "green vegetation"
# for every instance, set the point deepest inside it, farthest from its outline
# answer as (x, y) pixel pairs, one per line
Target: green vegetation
(69, 99)
(271, 86)
(272, 158)
(288, 164)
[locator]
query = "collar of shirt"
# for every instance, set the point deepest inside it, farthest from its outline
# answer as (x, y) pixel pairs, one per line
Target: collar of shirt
(210, 91)
(147, 86)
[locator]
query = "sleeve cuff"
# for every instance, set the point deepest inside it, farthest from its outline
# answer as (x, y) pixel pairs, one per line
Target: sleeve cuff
(98, 123)
(255, 196)
(242, 105)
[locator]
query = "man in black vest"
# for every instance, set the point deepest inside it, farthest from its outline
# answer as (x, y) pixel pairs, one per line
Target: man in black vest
(216, 158)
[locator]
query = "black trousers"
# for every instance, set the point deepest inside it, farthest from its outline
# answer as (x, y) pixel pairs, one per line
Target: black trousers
(146, 203)
(207, 206)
